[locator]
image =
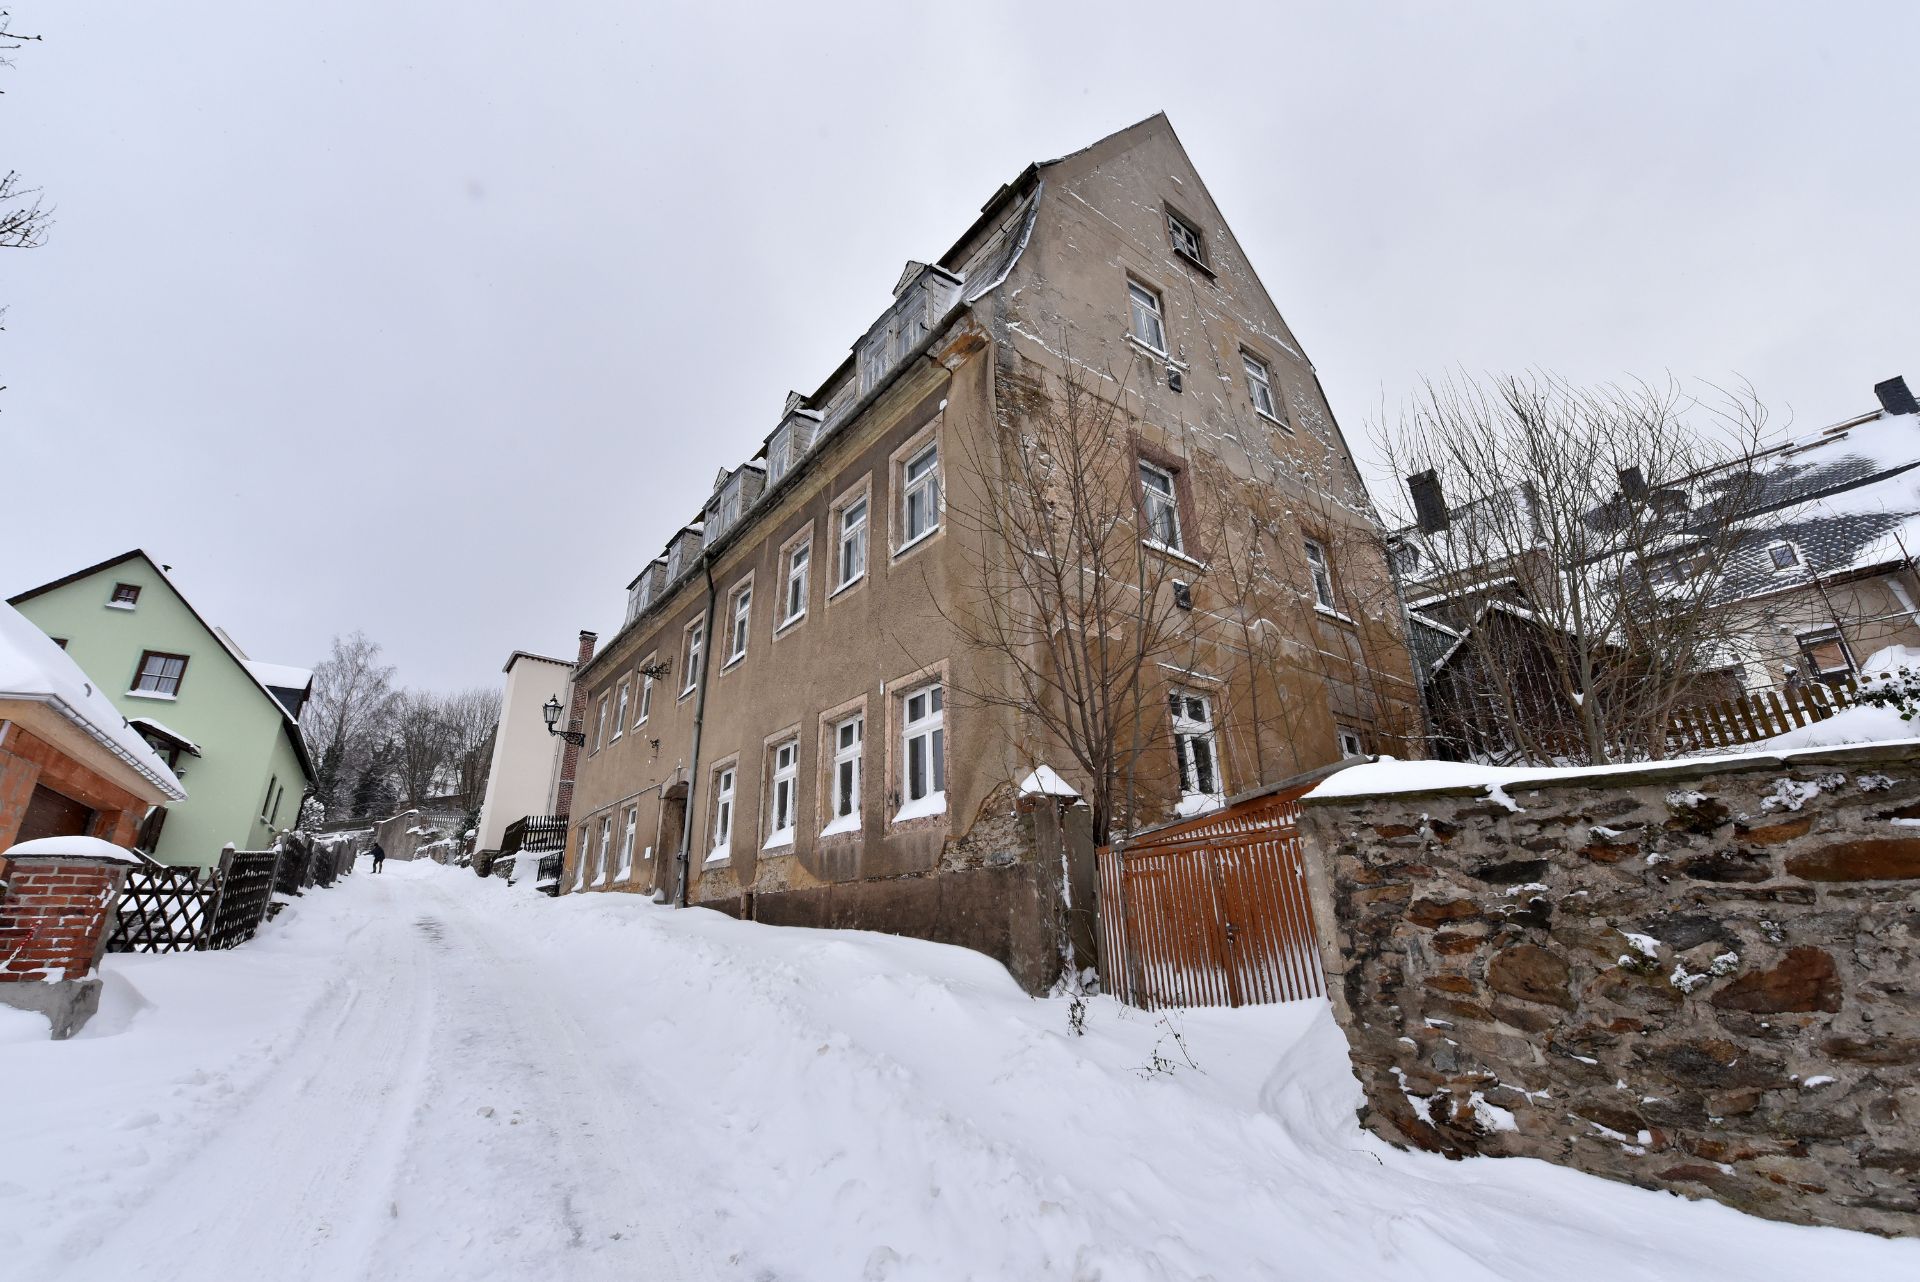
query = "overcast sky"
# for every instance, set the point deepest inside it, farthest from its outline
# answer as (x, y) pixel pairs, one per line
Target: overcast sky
(434, 319)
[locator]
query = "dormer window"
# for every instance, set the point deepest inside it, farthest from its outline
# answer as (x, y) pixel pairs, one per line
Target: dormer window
(125, 596)
(779, 454)
(1784, 556)
(1186, 239)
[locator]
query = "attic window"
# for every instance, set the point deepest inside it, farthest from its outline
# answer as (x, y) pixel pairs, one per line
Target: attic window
(1186, 239)
(125, 596)
(1785, 556)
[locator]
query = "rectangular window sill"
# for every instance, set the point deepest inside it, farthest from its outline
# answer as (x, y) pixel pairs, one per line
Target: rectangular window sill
(842, 826)
(122, 605)
(1145, 348)
(781, 628)
(1274, 419)
(915, 542)
(682, 696)
(782, 840)
(1154, 545)
(717, 858)
(849, 585)
(152, 694)
(934, 803)
(733, 662)
(1198, 264)
(1328, 612)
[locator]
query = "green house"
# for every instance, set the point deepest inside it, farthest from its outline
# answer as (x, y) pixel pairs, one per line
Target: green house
(229, 724)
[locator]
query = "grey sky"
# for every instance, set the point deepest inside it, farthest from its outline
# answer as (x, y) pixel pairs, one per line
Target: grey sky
(435, 319)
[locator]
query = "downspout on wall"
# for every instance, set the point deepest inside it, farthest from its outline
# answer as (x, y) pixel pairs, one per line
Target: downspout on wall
(684, 858)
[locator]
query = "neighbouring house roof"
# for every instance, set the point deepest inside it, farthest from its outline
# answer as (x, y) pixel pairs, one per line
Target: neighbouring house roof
(289, 725)
(518, 655)
(33, 668)
(279, 675)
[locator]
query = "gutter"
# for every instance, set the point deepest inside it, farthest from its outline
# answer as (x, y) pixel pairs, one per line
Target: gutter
(684, 858)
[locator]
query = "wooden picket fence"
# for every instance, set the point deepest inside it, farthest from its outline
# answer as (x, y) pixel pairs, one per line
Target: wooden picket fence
(1728, 723)
(1212, 912)
(166, 909)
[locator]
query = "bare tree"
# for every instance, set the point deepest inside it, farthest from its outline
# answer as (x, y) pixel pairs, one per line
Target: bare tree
(347, 713)
(470, 717)
(23, 218)
(1579, 543)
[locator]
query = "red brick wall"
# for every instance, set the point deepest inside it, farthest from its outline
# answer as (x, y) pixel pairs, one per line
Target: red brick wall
(27, 760)
(53, 915)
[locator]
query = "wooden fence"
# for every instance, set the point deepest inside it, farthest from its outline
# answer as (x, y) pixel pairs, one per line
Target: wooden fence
(162, 909)
(1749, 718)
(246, 891)
(166, 909)
(1212, 912)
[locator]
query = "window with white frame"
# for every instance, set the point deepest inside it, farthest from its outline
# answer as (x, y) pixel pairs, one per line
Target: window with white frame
(1195, 745)
(1784, 556)
(723, 781)
(1144, 305)
(920, 495)
(923, 757)
(625, 869)
(783, 795)
(696, 640)
(793, 603)
(741, 625)
(600, 726)
(844, 785)
(852, 562)
(1186, 238)
(1260, 386)
(606, 845)
(620, 711)
(779, 453)
(1322, 575)
(1161, 505)
(1350, 742)
(646, 694)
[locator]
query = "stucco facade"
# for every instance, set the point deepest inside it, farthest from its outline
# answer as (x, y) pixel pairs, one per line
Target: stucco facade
(247, 768)
(741, 740)
(526, 756)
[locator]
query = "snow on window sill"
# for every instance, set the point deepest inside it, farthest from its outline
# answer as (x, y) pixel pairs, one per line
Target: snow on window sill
(843, 824)
(915, 541)
(600, 879)
(1199, 803)
(784, 837)
(1155, 545)
(1143, 346)
(733, 661)
(624, 874)
(152, 694)
(121, 605)
(934, 803)
(718, 855)
(781, 627)
(1274, 419)
(1327, 611)
(854, 582)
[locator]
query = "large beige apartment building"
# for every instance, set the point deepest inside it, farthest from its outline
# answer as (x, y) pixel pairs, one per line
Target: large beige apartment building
(823, 707)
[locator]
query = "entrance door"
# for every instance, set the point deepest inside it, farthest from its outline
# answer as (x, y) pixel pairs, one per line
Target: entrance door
(53, 814)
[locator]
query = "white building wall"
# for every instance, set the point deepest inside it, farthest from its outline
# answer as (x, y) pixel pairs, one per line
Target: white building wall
(526, 758)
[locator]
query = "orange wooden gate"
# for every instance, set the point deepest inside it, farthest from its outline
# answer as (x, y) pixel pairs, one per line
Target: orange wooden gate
(1212, 912)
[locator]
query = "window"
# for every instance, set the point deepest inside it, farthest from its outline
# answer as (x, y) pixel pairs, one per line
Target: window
(920, 497)
(1785, 556)
(845, 789)
(786, 773)
(1161, 504)
(1350, 744)
(626, 844)
(723, 783)
(924, 766)
(1260, 386)
(779, 453)
(799, 562)
(1322, 576)
(600, 726)
(1186, 238)
(59, 641)
(1147, 328)
(1826, 654)
(125, 596)
(606, 844)
(742, 623)
(280, 795)
(1193, 742)
(620, 711)
(853, 542)
(696, 638)
(267, 800)
(159, 674)
(646, 693)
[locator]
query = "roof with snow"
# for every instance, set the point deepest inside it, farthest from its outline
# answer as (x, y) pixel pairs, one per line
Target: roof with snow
(34, 668)
(279, 676)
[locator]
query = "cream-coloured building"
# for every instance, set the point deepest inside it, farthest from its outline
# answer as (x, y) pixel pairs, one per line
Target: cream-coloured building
(524, 779)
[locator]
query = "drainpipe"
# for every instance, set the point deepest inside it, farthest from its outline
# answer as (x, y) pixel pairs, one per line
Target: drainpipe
(684, 858)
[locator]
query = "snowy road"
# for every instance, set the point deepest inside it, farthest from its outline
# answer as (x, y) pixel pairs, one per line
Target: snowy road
(425, 1076)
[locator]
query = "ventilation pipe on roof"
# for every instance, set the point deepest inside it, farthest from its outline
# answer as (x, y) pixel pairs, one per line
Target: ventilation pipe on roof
(1633, 484)
(1895, 398)
(1429, 505)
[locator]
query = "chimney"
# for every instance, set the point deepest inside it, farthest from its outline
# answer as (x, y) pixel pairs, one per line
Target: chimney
(1633, 484)
(1429, 505)
(1895, 398)
(576, 718)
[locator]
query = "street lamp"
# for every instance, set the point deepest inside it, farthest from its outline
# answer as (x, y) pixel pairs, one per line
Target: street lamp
(551, 711)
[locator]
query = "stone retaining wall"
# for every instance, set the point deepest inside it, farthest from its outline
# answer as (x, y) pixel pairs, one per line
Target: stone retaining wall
(1698, 978)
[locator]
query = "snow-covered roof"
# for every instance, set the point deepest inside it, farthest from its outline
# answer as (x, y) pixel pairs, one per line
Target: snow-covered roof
(32, 667)
(151, 726)
(279, 675)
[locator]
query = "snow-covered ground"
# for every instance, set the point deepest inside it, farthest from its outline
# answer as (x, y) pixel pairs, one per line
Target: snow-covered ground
(425, 1076)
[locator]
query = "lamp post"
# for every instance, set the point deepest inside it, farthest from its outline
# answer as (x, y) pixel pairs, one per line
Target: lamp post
(551, 711)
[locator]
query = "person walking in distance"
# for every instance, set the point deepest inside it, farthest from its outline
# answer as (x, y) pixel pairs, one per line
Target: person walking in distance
(379, 857)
